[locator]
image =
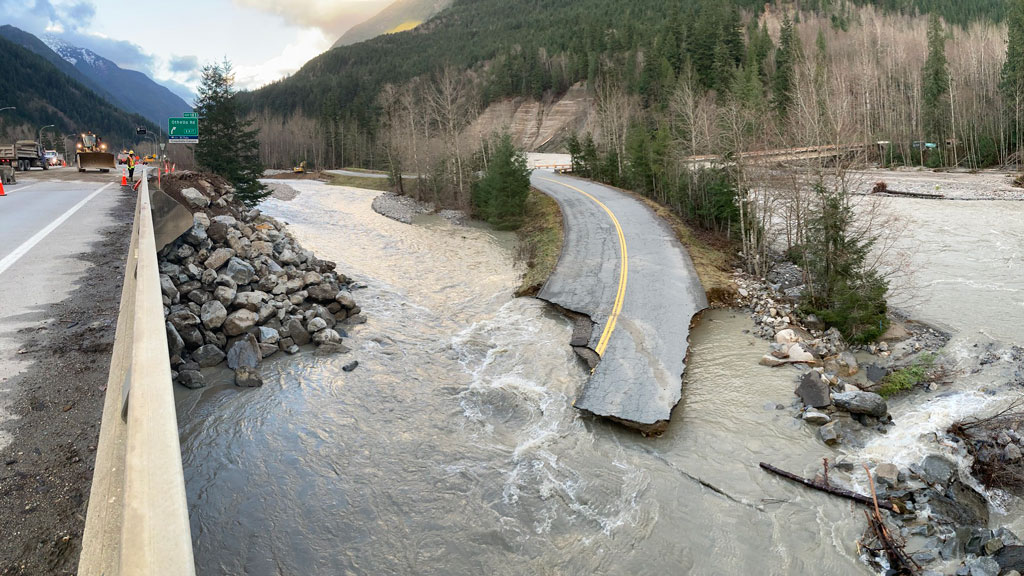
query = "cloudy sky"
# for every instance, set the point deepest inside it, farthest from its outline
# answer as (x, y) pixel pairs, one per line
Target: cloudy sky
(264, 39)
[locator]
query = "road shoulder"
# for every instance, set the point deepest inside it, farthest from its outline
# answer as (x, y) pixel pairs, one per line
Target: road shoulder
(57, 403)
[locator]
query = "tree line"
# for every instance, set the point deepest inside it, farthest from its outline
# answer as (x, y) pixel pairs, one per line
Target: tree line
(681, 93)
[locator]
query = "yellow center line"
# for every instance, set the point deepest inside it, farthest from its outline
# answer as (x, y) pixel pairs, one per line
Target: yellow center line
(620, 296)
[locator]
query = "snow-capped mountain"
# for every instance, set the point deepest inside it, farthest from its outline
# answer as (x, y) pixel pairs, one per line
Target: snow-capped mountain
(73, 54)
(133, 91)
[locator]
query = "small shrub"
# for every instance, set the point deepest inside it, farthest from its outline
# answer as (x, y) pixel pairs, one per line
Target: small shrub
(907, 378)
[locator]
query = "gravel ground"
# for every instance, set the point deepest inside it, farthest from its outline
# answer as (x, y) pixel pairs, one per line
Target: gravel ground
(46, 471)
(401, 208)
(281, 191)
(958, 185)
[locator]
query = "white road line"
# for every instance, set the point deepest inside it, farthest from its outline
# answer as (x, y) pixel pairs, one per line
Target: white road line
(20, 251)
(12, 188)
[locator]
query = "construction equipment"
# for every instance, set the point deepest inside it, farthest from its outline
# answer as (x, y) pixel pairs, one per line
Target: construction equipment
(300, 169)
(91, 154)
(24, 155)
(7, 174)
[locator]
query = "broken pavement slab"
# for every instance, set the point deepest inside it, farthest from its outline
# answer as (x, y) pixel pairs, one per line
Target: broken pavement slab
(641, 300)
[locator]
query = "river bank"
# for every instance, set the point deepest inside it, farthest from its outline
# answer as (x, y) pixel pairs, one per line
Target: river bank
(910, 445)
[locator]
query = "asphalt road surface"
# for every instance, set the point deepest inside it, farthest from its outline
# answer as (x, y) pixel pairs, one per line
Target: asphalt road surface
(46, 219)
(623, 267)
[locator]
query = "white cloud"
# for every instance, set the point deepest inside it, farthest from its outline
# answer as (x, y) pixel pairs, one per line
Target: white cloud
(332, 16)
(309, 44)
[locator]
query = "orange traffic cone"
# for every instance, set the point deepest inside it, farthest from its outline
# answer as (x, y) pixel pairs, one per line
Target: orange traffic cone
(124, 178)
(2, 193)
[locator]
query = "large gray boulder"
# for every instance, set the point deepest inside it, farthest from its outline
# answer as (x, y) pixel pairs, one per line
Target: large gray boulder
(327, 336)
(240, 271)
(244, 352)
(208, 356)
(183, 319)
(1011, 558)
(219, 258)
(239, 321)
(297, 332)
(167, 287)
(860, 402)
(225, 295)
(213, 314)
(345, 299)
(248, 378)
(175, 344)
(936, 469)
(194, 198)
(323, 292)
(813, 391)
(192, 379)
(830, 433)
(269, 335)
(316, 324)
(250, 300)
(983, 566)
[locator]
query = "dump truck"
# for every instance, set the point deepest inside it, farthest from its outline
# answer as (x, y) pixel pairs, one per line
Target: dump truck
(91, 154)
(24, 155)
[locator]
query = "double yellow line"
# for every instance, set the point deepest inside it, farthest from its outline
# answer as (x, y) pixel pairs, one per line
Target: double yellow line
(620, 296)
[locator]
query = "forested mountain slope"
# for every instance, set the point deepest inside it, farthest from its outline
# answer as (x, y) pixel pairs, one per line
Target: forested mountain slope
(472, 32)
(45, 95)
(127, 89)
(399, 16)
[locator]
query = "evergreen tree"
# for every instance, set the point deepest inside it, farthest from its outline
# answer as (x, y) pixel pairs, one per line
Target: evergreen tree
(785, 58)
(844, 291)
(228, 145)
(500, 196)
(1012, 83)
(935, 78)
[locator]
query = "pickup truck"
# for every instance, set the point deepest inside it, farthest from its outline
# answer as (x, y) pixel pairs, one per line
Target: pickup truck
(24, 155)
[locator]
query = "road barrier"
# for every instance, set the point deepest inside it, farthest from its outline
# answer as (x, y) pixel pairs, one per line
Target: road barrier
(137, 522)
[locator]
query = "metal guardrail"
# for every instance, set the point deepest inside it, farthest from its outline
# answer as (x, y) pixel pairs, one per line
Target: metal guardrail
(137, 522)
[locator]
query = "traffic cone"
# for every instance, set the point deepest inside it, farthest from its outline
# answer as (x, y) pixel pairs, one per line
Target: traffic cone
(2, 193)
(124, 177)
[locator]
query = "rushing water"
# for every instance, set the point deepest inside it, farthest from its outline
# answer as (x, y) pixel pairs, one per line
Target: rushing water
(454, 447)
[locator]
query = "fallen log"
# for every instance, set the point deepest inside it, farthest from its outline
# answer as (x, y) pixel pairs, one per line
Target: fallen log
(923, 195)
(866, 500)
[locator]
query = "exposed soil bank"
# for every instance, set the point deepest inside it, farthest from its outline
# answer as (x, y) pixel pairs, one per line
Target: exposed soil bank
(540, 241)
(47, 469)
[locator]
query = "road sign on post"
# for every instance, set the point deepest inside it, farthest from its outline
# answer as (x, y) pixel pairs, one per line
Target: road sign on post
(190, 115)
(183, 130)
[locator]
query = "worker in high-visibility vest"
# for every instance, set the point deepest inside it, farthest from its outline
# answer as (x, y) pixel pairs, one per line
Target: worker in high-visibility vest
(131, 165)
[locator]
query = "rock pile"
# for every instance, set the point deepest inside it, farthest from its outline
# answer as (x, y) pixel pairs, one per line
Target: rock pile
(237, 288)
(943, 518)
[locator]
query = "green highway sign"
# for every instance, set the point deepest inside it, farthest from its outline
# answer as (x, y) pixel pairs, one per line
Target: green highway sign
(190, 115)
(183, 130)
(183, 127)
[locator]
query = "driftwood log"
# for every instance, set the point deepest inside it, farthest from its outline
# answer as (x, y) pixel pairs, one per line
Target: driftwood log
(866, 500)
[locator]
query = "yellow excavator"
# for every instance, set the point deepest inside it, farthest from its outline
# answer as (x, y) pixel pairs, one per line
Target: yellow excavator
(91, 154)
(300, 169)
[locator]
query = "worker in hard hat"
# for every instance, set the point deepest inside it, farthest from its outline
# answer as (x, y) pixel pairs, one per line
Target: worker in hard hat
(131, 165)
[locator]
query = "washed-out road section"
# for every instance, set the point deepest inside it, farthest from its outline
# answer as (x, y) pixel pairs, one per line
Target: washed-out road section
(623, 267)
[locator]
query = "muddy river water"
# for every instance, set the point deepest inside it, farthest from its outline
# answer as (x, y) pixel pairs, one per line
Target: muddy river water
(454, 448)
